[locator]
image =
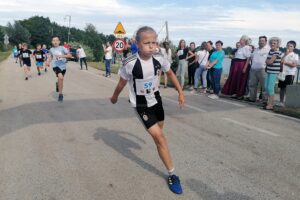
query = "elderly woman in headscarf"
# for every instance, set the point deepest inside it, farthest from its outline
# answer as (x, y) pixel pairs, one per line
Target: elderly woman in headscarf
(239, 71)
(273, 68)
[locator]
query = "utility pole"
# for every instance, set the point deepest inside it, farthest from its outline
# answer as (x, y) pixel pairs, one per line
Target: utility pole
(68, 16)
(167, 31)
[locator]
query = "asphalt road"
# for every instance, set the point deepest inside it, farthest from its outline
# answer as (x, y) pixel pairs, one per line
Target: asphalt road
(87, 149)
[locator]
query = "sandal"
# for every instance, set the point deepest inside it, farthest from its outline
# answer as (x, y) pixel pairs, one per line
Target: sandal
(267, 108)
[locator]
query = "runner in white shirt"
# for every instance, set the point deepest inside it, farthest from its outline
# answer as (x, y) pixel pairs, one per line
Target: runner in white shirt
(289, 62)
(141, 71)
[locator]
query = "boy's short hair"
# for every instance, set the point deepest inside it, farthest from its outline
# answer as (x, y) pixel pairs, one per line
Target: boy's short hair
(265, 37)
(55, 36)
(192, 43)
(143, 30)
(292, 42)
(38, 45)
(210, 42)
(219, 42)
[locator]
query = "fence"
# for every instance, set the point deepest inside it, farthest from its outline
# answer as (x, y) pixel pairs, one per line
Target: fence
(298, 70)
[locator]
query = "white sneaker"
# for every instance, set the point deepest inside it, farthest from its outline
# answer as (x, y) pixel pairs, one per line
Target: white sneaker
(280, 104)
(194, 91)
(213, 96)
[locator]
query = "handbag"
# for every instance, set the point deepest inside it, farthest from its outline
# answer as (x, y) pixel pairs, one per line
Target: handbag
(281, 76)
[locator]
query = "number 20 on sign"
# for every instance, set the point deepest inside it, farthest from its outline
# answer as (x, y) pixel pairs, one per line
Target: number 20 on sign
(119, 45)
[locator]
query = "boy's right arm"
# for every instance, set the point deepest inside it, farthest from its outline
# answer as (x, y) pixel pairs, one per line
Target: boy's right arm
(122, 83)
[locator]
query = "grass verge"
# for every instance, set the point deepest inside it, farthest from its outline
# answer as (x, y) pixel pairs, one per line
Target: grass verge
(100, 65)
(292, 112)
(4, 55)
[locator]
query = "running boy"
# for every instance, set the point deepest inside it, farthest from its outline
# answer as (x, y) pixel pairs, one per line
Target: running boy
(141, 71)
(58, 55)
(25, 55)
(39, 58)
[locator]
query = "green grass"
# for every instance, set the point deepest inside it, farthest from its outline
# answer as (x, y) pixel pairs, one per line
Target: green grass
(100, 65)
(292, 112)
(4, 55)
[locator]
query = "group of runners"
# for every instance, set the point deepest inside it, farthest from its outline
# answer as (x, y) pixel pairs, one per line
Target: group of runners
(56, 56)
(141, 71)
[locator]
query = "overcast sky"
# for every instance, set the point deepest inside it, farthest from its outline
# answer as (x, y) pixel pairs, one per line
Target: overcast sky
(192, 20)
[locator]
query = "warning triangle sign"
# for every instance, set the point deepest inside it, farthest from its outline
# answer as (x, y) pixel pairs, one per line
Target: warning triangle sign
(119, 29)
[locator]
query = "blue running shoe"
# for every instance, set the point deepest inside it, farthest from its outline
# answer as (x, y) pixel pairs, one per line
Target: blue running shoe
(174, 184)
(60, 98)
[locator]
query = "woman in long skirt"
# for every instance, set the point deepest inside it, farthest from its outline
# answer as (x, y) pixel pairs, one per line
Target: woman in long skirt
(239, 71)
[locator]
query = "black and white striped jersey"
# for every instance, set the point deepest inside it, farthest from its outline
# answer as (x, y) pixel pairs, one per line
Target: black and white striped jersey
(274, 68)
(143, 78)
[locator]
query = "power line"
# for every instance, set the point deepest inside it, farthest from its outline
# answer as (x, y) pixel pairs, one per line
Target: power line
(161, 29)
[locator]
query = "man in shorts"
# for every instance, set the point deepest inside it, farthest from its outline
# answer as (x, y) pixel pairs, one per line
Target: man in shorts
(26, 58)
(58, 58)
(39, 58)
(141, 71)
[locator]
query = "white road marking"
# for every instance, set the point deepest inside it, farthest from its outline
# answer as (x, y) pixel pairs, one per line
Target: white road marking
(251, 127)
(233, 103)
(224, 101)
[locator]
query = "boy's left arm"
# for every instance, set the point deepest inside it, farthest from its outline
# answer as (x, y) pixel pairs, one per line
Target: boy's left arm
(174, 80)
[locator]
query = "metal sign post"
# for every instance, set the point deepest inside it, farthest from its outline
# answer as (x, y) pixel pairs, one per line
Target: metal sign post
(119, 44)
(6, 40)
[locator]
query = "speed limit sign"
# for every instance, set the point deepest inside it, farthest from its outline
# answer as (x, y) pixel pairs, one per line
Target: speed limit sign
(119, 45)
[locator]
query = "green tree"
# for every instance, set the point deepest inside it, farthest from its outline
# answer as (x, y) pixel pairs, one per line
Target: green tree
(1, 38)
(17, 33)
(228, 50)
(94, 40)
(39, 28)
(88, 51)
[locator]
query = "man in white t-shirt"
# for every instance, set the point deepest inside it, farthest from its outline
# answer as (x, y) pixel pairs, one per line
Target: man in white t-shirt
(108, 57)
(257, 71)
(82, 56)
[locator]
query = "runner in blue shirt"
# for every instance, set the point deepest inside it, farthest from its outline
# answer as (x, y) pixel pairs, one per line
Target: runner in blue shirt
(58, 58)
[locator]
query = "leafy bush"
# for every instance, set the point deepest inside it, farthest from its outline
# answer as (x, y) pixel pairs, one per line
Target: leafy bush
(88, 51)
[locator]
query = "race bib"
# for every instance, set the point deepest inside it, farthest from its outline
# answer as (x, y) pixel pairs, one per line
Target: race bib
(146, 87)
(180, 52)
(56, 55)
(25, 55)
(38, 56)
